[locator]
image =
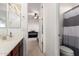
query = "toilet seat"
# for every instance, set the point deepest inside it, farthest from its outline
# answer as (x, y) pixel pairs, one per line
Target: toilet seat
(66, 49)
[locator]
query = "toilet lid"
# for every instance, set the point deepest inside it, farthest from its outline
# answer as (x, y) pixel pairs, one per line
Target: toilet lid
(66, 49)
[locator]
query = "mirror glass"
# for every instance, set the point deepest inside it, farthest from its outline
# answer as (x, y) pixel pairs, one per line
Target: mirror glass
(10, 15)
(3, 14)
(14, 15)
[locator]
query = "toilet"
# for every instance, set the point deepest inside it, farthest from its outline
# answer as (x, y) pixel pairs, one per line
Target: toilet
(65, 51)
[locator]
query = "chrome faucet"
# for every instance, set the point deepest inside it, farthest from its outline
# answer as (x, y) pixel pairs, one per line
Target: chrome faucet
(10, 34)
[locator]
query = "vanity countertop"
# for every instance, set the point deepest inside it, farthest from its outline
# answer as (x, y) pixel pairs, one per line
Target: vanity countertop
(6, 46)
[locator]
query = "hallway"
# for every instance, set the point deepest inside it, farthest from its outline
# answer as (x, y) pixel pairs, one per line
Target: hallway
(33, 48)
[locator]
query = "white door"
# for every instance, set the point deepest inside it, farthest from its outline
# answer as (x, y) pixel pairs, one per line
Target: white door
(40, 35)
(51, 30)
(41, 29)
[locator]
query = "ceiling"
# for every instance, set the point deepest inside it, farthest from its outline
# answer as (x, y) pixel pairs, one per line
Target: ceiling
(33, 6)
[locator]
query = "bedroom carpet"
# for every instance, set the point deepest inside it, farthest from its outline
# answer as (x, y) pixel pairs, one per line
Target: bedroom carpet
(33, 48)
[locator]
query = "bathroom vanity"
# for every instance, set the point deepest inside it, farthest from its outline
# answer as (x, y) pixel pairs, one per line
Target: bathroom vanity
(12, 46)
(11, 39)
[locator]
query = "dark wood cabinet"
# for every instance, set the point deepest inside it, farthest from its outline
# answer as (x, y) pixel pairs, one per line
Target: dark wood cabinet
(15, 51)
(21, 48)
(9, 54)
(18, 50)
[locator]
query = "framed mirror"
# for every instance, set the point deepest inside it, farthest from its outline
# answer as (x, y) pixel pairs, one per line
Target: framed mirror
(10, 15)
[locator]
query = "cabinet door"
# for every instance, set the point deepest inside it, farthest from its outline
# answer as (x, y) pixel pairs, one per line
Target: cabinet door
(9, 54)
(21, 48)
(15, 51)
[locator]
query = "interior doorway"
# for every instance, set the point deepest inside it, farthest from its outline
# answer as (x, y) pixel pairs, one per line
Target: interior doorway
(35, 30)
